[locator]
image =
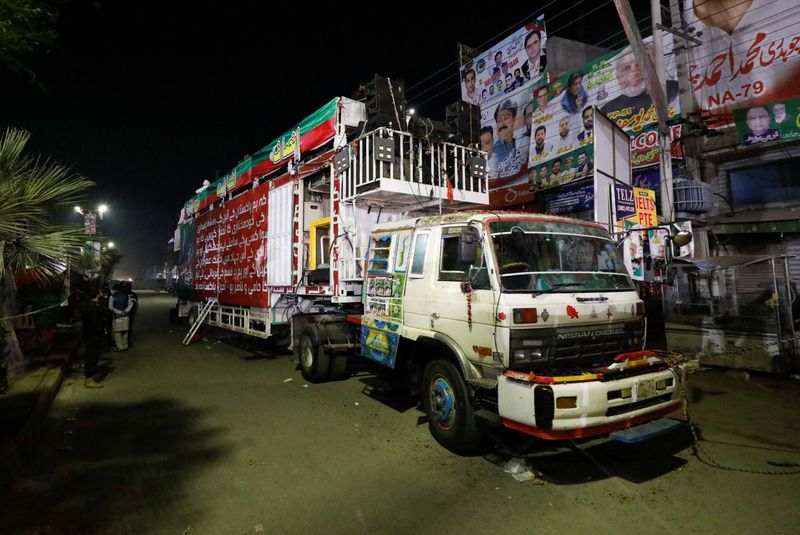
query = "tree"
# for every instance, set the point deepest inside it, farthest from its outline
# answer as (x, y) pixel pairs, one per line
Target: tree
(31, 189)
(26, 26)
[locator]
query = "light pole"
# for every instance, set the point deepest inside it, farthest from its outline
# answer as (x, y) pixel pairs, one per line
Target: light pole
(90, 217)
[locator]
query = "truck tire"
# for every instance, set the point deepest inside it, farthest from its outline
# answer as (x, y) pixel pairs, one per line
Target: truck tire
(314, 361)
(451, 419)
(339, 369)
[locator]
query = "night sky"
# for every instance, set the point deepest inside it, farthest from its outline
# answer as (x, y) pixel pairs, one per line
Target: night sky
(148, 99)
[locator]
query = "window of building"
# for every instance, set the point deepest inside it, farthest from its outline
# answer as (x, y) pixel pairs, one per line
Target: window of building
(777, 182)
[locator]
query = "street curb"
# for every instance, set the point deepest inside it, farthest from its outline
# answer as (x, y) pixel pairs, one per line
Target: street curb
(15, 454)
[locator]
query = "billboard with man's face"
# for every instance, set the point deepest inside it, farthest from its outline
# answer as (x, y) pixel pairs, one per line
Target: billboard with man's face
(750, 52)
(556, 120)
(500, 81)
(516, 62)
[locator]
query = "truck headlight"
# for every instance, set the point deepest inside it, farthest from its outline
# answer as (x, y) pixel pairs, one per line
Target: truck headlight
(524, 356)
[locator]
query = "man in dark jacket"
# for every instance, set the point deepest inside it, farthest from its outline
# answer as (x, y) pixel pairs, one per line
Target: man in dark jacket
(92, 317)
(132, 314)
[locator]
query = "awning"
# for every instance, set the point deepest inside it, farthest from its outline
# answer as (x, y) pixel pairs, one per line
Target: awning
(728, 261)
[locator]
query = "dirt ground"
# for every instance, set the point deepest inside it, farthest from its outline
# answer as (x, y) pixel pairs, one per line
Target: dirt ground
(225, 436)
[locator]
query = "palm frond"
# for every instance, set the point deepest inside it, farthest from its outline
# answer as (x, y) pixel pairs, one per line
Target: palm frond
(29, 190)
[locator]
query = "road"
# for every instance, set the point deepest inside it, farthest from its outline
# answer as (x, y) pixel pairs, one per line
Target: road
(225, 436)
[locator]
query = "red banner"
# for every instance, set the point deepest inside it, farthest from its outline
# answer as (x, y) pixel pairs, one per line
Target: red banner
(644, 146)
(231, 259)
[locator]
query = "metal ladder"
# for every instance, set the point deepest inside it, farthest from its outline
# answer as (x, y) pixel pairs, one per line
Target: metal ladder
(201, 317)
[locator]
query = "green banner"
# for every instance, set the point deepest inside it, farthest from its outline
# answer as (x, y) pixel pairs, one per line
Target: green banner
(312, 132)
(777, 121)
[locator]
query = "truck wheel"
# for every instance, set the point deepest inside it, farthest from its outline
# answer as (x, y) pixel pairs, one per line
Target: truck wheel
(314, 361)
(451, 419)
(339, 369)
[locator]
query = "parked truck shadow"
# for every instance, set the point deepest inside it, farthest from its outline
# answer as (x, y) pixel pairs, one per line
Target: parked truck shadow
(103, 465)
(575, 462)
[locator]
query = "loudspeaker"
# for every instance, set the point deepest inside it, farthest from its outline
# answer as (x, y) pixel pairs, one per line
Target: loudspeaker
(464, 121)
(386, 103)
(429, 129)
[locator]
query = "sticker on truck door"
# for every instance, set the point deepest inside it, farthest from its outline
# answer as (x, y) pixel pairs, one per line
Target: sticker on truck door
(379, 340)
(383, 296)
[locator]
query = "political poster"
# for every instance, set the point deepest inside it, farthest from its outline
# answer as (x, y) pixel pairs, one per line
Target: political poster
(516, 62)
(499, 80)
(561, 149)
(777, 121)
(556, 122)
(749, 52)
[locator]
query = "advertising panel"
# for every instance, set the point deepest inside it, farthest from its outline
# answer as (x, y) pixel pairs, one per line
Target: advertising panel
(500, 81)
(230, 258)
(636, 209)
(749, 52)
(777, 121)
(516, 62)
(556, 122)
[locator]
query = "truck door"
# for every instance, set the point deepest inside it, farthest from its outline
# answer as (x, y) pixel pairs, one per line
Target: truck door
(442, 301)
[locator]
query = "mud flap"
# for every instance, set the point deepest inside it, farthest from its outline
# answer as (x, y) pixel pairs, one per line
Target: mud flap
(640, 433)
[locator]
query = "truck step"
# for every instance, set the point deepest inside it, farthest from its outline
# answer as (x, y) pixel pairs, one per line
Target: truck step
(643, 432)
(483, 383)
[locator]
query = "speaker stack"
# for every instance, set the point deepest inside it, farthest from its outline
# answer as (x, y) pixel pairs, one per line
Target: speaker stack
(464, 121)
(386, 104)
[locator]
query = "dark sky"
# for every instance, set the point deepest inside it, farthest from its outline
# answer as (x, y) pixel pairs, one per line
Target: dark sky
(148, 99)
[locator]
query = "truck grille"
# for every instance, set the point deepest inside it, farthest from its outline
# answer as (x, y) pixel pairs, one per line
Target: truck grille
(578, 348)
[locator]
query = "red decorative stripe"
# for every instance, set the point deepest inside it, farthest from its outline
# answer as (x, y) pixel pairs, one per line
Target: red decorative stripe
(586, 432)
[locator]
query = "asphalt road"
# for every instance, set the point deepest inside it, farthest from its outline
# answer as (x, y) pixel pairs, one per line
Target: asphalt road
(225, 436)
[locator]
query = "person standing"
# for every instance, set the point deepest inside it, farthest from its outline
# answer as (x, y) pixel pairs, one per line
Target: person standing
(120, 305)
(106, 316)
(132, 316)
(92, 318)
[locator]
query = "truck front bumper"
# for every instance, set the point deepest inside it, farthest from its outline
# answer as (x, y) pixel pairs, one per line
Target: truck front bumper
(589, 408)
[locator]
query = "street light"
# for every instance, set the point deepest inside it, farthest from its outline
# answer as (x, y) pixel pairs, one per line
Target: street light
(111, 245)
(90, 217)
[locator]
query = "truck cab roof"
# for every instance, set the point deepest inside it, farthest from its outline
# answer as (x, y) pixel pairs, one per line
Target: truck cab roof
(478, 216)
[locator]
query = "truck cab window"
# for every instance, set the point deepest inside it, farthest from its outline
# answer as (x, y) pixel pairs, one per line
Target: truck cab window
(452, 270)
(418, 262)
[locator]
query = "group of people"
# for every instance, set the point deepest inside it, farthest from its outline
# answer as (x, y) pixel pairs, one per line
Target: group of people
(108, 316)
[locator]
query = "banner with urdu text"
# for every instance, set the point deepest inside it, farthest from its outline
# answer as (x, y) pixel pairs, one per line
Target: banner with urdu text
(230, 258)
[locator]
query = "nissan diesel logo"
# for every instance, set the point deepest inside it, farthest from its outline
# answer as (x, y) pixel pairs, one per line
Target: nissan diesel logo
(590, 334)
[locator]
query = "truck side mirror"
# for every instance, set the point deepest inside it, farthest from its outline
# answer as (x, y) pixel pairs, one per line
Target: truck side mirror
(468, 246)
(682, 238)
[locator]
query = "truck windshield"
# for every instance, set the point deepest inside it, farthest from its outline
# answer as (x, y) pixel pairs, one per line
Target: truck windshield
(559, 257)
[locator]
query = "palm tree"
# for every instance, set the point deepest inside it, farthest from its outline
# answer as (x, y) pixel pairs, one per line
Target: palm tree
(31, 189)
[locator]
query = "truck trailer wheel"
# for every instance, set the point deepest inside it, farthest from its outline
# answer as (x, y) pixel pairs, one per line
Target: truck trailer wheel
(314, 361)
(451, 419)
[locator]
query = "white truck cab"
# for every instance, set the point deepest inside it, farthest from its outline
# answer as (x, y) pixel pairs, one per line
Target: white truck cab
(530, 316)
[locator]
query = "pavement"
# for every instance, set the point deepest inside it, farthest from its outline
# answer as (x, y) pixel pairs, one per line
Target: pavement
(24, 407)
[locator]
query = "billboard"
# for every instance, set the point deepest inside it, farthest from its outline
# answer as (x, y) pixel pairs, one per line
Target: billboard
(556, 122)
(778, 121)
(516, 62)
(749, 52)
(230, 255)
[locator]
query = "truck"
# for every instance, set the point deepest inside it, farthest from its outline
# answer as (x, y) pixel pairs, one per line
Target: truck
(380, 244)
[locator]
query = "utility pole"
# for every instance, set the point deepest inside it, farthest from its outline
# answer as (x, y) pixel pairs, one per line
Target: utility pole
(664, 142)
(681, 52)
(656, 87)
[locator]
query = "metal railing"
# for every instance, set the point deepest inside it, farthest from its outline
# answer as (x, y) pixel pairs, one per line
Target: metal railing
(418, 167)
